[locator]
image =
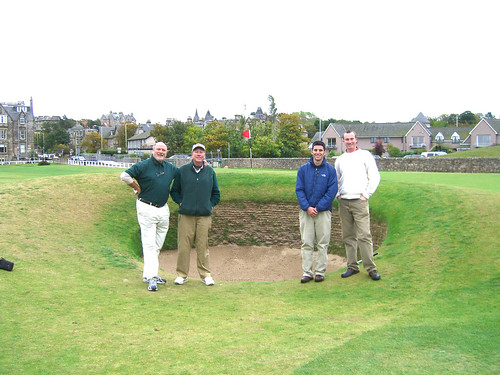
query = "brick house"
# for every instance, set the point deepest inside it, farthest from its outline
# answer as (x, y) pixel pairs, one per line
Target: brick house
(404, 135)
(17, 127)
(416, 134)
(485, 133)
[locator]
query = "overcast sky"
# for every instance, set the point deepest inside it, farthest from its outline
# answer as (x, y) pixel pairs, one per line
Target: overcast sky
(366, 60)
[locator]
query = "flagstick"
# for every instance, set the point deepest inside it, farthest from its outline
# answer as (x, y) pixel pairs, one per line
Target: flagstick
(251, 170)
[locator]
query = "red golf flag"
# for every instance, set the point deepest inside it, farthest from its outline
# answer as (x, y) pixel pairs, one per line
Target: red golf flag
(246, 134)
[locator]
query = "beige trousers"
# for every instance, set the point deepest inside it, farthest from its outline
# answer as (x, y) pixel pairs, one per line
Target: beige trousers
(355, 220)
(193, 230)
(315, 231)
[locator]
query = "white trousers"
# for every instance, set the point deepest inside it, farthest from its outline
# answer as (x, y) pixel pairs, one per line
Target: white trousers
(154, 226)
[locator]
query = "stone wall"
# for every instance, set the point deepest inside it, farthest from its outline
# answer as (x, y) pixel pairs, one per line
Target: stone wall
(436, 164)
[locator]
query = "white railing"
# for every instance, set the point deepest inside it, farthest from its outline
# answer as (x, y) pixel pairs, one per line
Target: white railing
(16, 162)
(101, 163)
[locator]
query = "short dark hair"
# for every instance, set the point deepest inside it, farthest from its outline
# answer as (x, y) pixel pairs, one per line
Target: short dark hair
(319, 143)
(350, 132)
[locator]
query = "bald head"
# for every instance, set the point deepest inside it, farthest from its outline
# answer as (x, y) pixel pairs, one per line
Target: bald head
(159, 151)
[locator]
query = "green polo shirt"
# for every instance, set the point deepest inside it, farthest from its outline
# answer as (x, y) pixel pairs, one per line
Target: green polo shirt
(154, 178)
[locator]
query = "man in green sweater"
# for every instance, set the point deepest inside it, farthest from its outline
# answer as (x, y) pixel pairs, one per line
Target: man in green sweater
(150, 180)
(196, 191)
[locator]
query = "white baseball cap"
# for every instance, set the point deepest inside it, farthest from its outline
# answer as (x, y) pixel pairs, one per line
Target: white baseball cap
(197, 145)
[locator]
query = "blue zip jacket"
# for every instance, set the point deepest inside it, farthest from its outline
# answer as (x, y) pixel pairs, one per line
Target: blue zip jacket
(316, 186)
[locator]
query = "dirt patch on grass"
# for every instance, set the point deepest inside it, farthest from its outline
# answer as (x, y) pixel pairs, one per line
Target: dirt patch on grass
(261, 242)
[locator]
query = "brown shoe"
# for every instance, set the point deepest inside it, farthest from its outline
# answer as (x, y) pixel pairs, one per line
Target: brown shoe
(305, 279)
(319, 278)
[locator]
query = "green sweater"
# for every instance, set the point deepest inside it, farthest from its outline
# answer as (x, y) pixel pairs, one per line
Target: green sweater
(154, 178)
(195, 193)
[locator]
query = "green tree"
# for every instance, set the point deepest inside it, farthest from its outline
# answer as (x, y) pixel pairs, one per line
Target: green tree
(310, 123)
(216, 137)
(159, 133)
(235, 140)
(120, 134)
(272, 108)
(175, 137)
(290, 136)
(92, 142)
(55, 133)
(468, 118)
(439, 122)
(265, 147)
(194, 134)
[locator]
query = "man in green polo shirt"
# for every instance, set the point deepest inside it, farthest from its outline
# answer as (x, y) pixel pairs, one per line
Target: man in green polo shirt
(150, 180)
(196, 191)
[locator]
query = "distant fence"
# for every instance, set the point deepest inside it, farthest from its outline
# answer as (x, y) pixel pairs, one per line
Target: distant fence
(435, 164)
(101, 163)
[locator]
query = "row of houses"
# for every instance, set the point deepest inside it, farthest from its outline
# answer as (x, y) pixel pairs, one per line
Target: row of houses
(18, 127)
(416, 134)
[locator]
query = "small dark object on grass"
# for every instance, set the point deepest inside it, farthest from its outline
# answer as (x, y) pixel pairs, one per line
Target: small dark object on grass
(6, 265)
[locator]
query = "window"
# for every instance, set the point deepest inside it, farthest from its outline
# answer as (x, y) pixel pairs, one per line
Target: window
(483, 140)
(22, 133)
(22, 149)
(3, 119)
(331, 143)
(373, 139)
(439, 137)
(387, 140)
(21, 120)
(455, 138)
(3, 134)
(417, 141)
(3, 149)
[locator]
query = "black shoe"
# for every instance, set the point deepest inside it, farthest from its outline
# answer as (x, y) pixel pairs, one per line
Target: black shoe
(319, 278)
(349, 272)
(374, 275)
(305, 279)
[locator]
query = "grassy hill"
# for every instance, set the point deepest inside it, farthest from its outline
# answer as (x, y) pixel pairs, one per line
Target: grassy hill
(75, 304)
(482, 152)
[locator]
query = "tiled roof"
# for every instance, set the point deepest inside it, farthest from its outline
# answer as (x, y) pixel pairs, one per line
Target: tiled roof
(494, 123)
(396, 129)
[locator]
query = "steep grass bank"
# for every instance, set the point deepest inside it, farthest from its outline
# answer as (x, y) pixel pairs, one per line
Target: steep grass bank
(75, 303)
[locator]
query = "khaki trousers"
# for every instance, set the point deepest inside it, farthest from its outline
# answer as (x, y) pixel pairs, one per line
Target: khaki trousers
(315, 231)
(355, 220)
(193, 230)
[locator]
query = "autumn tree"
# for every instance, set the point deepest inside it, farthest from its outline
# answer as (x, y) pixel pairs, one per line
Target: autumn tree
(92, 142)
(378, 148)
(216, 136)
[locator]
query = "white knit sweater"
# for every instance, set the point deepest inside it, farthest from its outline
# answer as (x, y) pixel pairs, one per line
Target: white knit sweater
(357, 174)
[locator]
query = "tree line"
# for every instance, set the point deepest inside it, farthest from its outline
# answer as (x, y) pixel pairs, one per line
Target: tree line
(280, 135)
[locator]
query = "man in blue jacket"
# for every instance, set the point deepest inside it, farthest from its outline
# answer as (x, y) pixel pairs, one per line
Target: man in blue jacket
(316, 189)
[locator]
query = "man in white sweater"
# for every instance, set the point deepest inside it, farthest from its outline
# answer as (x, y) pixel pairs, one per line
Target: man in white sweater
(358, 178)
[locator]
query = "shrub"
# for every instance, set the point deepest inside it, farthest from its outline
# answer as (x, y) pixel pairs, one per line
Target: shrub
(394, 151)
(378, 149)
